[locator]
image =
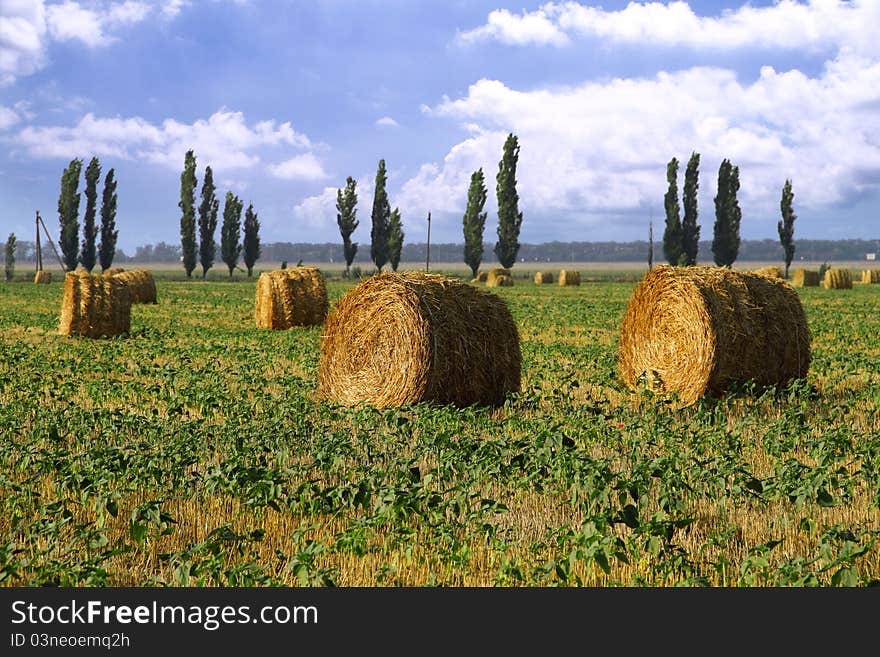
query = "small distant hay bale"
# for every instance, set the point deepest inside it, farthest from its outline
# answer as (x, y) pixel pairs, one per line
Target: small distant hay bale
(772, 271)
(404, 338)
(140, 283)
(43, 276)
(805, 278)
(543, 277)
(871, 276)
(290, 297)
(493, 274)
(569, 277)
(94, 306)
(501, 280)
(693, 330)
(481, 277)
(838, 278)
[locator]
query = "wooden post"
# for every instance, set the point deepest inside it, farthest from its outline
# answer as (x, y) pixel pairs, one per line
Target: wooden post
(51, 243)
(428, 250)
(39, 257)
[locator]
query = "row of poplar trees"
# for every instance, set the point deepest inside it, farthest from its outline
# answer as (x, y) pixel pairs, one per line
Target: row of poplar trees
(682, 234)
(232, 245)
(76, 250)
(387, 230)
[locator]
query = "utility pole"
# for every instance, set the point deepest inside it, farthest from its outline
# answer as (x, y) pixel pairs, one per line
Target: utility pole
(651, 241)
(39, 262)
(51, 243)
(428, 250)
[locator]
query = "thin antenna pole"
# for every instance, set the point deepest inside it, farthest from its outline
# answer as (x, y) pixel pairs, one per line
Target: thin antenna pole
(651, 241)
(428, 249)
(39, 262)
(51, 243)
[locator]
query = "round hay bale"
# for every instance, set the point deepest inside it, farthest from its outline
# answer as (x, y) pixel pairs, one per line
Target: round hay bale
(113, 271)
(838, 278)
(569, 277)
(543, 277)
(481, 276)
(290, 297)
(773, 272)
(492, 274)
(403, 338)
(805, 278)
(140, 283)
(43, 276)
(693, 330)
(871, 276)
(94, 306)
(501, 280)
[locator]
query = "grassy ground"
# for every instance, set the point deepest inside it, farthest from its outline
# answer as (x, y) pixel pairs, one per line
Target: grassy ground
(193, 451)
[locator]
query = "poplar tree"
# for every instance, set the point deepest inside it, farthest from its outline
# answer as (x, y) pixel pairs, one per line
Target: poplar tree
(725, 243)
(230, 241)
(109, 233)
(381, 217)
(474, 221)
(90, 230)
(207, 222)
(68, 214)
(395, 239)
(9, 269)
(251, 239)
(690, 230)
(786, 225)
(672, 245)
(187, 205)
(346, 219)
(509, 216)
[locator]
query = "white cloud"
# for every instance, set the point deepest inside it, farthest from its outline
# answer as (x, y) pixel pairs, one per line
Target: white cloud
(600, 149)
(534, 28)
(300, 167)
(223, 141)
(22, 39)
(316, 215)
(814, 25)
(386, 121)
(69, 21)
(8, 117)
(171, 8)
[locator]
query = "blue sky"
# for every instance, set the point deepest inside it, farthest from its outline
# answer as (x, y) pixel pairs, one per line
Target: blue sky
(284, 100)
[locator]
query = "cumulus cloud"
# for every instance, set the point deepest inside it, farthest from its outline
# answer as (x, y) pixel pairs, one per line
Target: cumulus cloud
(22, 39)
(69, 21)
(8, 117)
(814, 25)
(386, 121)
(300, 167)
(225, 140)
(599, 149)
(315, 215)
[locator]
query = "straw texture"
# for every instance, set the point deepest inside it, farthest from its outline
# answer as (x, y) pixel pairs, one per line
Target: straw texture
(772, 271)
(501, 280)
(805, 278)
(403, 338)
(94, 306)
(493, 274)
(838, 278)
(694, 330)
(290, 297)
(871, 276)
(140, 283)
(43, 276)
(569, 277)
(543, 277)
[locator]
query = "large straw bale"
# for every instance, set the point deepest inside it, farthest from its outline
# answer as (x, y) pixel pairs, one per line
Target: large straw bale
(772, 271)
(871, 276)
(43, 276)
(805, 278)
(569, 277)
(494, 273)
(403, 338)
(290, 297)
(543, 277)
(838, 278)
(94, 306)
(140, 283)
(693, 330)
(501, 280)
(113, 271)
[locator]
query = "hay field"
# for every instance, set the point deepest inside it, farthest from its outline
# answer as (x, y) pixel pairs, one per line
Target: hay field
(192, 451)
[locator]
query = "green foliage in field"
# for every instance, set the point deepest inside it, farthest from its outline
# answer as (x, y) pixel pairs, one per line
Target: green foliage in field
(193, 452)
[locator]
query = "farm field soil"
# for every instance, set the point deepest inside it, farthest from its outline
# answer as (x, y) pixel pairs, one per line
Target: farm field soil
(193, 451)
